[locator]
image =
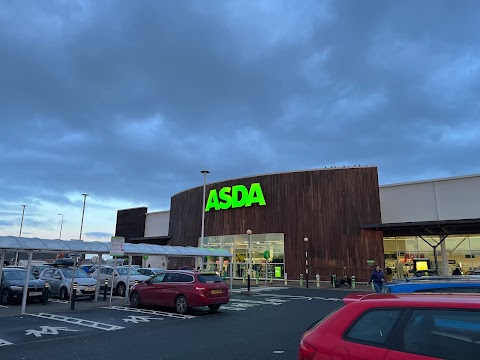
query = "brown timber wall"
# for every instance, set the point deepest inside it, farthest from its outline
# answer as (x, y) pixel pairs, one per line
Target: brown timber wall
(328, 206)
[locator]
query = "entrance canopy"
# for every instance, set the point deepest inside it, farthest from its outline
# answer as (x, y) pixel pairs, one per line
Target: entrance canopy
(428, 228)
(21, 244)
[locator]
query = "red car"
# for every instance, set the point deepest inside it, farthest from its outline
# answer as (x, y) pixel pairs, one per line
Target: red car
(397, 327)
(181, 289)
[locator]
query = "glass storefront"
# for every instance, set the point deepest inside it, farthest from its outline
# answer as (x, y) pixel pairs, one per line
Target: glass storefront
(461, 251)
(238, 245)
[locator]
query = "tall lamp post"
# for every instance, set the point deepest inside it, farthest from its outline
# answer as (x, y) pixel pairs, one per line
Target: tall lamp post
(83, 214)
(61, 226)
(306, 259)
(249, 233)
(20, 233)
(202, 235)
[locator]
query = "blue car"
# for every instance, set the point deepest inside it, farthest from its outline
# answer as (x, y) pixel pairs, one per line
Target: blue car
(452, 284)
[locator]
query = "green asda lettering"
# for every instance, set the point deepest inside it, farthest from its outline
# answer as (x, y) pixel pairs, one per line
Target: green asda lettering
(235, 197)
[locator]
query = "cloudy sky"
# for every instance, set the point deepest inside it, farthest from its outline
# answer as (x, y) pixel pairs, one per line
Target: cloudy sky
(128, 100)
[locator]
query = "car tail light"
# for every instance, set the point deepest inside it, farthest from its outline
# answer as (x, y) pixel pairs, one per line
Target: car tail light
(306, 351)
(198, 288)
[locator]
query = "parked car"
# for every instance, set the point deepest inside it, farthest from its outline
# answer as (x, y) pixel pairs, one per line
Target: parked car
(150, 271)
(60, 280)
(13, 282)
(464, 284)
(397, 327)
(120, 279)
(181, 289)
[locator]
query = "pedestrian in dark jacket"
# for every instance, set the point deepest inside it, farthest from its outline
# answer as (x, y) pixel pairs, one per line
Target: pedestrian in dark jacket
(378, 278)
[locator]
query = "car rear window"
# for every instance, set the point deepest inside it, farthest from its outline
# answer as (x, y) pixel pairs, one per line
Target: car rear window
(209, 278)
(445, 334)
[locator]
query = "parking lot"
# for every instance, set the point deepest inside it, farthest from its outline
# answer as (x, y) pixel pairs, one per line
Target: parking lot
(266, 325)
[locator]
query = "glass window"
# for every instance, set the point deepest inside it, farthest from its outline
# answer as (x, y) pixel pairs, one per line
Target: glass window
(48, 273)
(15, 275)
(124, 271)
(374, 326)
(209, 278)
(170, 277)
(446, 334)
(79, 273)
(104, 270)
(185, 278)
(158, 278)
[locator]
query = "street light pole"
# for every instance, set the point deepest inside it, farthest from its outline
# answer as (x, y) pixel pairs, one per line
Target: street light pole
(83, 214)
(306, 259)
(204, 172)
(249, 233)
(61, 226)
(20, 233)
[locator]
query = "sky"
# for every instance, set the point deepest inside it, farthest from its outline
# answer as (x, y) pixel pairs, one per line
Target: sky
(129, 100)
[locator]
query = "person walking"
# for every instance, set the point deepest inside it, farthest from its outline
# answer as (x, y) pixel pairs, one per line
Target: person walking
(378, 278)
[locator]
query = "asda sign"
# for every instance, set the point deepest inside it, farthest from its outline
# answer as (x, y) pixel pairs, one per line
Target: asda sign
(235, 197)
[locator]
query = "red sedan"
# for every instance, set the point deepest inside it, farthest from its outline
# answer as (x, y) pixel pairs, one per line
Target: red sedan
(397, 327)
(181, 289)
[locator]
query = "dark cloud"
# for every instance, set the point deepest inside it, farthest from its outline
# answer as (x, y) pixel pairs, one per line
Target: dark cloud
(129, 101)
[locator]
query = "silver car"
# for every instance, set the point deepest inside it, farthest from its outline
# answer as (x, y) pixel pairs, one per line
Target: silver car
(150, 271)
(61, 279)
(120, 278)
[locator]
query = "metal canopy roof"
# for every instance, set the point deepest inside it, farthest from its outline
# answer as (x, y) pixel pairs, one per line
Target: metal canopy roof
(440, 227)
(22, 244)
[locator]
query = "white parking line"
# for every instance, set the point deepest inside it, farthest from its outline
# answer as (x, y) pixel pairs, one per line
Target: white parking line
(5, 342)
(59, 301)
(3, 306)
(77, 321)
(151, 312)
(300, 297)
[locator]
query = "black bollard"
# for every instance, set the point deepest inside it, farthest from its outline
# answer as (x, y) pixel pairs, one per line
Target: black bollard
(45, 293)
(105, 288)
(74, 296)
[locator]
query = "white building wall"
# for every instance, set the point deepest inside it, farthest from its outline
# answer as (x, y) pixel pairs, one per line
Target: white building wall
(440, 199)
(156, 223)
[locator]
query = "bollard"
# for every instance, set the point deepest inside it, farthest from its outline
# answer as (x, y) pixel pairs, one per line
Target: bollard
(271, 277)
(334, 280)
(74, 296)
(285, 278)
(45, 293)
(244, 277)
(301, 279)
(317, 279)
(105, 287)
(353, 281)
(258, 277)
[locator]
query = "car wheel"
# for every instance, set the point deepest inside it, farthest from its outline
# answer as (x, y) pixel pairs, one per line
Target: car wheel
(214, 307)
(135, 299)
(63, 293)
(181, 304)
(121, 289)
(5, 297)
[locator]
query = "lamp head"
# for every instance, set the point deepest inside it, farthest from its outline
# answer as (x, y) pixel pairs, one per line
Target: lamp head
(205, 172)
(305, 239)
(249, 232)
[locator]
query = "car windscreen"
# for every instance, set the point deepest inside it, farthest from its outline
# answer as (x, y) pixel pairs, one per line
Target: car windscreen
(79, 273)
(209, 278)
(124, 271)
(15, 275)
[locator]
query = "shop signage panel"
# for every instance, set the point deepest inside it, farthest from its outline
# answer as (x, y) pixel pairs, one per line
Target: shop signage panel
(235, 197)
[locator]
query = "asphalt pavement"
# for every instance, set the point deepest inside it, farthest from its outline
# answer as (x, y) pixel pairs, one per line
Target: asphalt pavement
(265, 325)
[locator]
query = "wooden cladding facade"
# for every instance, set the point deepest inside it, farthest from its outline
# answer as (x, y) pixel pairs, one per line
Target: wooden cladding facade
(328, 206)
(131, 223)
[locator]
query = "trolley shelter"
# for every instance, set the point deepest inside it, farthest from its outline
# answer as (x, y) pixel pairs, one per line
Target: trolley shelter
(31, 245)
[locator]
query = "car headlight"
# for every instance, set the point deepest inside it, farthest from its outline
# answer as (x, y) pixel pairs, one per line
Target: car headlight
(16, 288)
